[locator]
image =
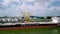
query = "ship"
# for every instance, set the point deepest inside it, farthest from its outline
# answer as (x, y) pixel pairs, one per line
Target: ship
(27, 23)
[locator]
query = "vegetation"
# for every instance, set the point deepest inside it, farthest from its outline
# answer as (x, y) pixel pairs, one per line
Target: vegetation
(41, 19)
(55, 30)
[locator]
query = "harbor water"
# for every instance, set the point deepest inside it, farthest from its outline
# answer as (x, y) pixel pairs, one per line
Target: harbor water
(55, 30)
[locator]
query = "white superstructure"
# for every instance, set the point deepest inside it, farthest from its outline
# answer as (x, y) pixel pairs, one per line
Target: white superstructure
(56, 19)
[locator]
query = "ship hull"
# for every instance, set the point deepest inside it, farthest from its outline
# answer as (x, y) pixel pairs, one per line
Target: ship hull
(19, 26)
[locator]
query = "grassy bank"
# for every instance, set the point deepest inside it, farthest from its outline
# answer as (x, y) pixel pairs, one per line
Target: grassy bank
(55, 30)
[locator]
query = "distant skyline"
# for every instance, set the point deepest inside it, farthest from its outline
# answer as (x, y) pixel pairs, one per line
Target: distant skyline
(35, 7)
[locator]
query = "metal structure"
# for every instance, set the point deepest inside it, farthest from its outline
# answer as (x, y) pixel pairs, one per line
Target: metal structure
(27, 16)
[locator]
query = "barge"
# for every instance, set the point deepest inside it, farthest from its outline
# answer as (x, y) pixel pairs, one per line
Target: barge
(27, 23)
(9, 26)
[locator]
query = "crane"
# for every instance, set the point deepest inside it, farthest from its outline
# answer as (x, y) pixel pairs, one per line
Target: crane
(27, 16)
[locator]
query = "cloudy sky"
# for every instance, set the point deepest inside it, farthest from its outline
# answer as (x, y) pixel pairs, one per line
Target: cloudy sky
(35, 7)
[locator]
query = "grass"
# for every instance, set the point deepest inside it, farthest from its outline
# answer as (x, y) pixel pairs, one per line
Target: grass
(32, 31)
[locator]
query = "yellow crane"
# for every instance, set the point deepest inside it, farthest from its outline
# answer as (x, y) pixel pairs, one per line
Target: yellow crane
(27, 17)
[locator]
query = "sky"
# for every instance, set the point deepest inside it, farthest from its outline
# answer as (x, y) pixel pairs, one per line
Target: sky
(35, 7)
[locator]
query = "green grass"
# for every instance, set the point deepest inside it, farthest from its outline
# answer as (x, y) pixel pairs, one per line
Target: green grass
(42, 20)
(32, 31)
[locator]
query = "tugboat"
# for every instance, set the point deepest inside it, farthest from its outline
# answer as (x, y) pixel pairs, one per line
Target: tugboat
(28, 24)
